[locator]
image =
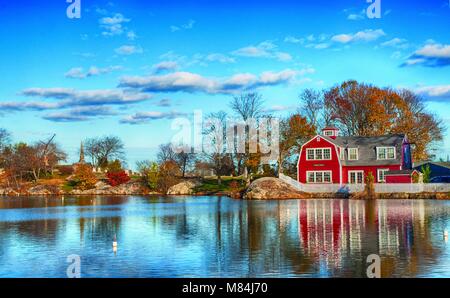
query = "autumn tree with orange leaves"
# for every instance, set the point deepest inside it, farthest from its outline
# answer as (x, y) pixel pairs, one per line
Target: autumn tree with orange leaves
(360, 109)
(294, 132)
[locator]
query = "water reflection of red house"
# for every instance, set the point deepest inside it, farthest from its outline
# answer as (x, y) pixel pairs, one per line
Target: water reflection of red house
(321, 220)
(331, 226)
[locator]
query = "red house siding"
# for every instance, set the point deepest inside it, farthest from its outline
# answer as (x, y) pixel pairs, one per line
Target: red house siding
(305, 165)
(402, 178)
(366, 169)
(399, 179)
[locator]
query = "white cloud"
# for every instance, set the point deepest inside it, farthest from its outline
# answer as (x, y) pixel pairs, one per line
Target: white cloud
(440, 93)
(165, 66)
(292, 39)
(355, 17)
(396, 42)
(434, 51)
(79, 114)
(113, 25)
(279, 108)
(73, 97)
(366, 36)
(217, 57)
(128, 50)
(265, 49)
(281, 56)
(396, 55)
(174, 28)
(431, 54)
(24, 106)
(191, 82)
(131, 35)
(187, 26)
(78, 72)
(144, 117)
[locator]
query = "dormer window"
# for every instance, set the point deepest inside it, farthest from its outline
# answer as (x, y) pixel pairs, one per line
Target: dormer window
(352, 153)
(328, 133)
(385, 153)
(331, 132)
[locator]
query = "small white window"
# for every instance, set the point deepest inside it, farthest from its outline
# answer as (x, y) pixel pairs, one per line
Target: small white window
(327, 177)
(318, 176)
(329, 133)
(309, 154)
(342, 153)
(381, 173)
(310, 177)
(356, 177)
(352, 153)
(318, 154)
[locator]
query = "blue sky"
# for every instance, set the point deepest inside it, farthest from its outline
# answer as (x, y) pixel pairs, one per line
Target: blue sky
(128, 68)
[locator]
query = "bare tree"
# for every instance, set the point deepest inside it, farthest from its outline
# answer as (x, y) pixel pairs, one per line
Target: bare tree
(216, 153)
(312, 106)
(185, 161)
(248, 105)
(5, 138)
(104, 149)
(49, 154)
(165, 153)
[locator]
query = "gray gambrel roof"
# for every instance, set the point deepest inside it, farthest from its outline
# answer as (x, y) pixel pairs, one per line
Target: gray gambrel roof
(367, 152)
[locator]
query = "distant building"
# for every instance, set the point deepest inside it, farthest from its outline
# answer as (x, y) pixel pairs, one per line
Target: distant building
(438, 169)
(330, 158)
(81, 161)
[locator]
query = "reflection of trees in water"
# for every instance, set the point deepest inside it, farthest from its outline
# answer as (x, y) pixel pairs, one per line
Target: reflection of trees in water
(38, 230)
(412, 227)
(306, 237)
(299, 237)
(99, 228)
(60, 201)
(342, 238)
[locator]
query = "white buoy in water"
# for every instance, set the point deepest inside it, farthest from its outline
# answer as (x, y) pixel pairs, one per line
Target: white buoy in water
(445, 234)
(115, 242)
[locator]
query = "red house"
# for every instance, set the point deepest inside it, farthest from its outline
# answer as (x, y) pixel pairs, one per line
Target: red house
(330, 158)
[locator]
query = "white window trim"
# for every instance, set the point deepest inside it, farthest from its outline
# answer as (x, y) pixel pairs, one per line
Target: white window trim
(323, 172)
(341, 153)
(356, 172)
(348, 153)
(378, 175)
(315, 155)
(386, 147)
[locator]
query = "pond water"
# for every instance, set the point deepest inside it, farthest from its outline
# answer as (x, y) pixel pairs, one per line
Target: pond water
(221, 237)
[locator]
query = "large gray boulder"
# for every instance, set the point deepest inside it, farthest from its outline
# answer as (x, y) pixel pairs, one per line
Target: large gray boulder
(183, 188)
(130, 188)
(40, 190)
(269, 188)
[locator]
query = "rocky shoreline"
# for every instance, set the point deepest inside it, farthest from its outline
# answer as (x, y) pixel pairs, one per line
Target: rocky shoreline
(267, 188)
